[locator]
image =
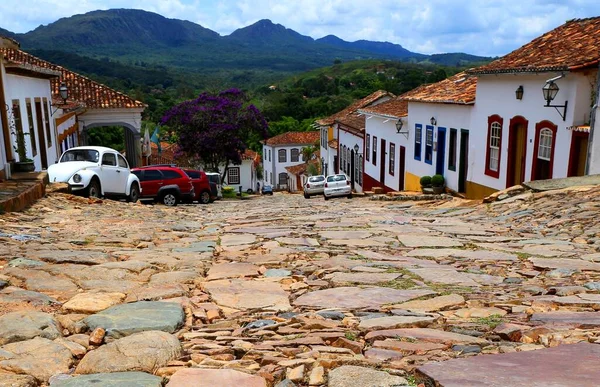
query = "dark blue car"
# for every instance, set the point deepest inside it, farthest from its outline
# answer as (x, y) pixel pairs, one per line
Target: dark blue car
(267, 190)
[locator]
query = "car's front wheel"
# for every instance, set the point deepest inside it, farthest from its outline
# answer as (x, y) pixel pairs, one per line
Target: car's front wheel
(134, 193)
(306, 196)
(169, 199)
(325, 197)
(93, 189)
(205, 197)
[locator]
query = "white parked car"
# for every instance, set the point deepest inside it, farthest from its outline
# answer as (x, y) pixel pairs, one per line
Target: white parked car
(96, 171)
(314, 186)
(337, 185)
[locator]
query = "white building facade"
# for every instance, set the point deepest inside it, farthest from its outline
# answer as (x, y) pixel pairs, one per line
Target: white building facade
(285, 150)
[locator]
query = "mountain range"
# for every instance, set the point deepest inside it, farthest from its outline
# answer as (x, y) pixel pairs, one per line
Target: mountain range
(138, 37)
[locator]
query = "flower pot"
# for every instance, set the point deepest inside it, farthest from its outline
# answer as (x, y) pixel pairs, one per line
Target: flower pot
(24, 166)
(438, 190)
(427, 190)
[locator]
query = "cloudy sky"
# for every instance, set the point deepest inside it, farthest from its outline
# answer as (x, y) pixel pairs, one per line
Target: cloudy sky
(486, 27)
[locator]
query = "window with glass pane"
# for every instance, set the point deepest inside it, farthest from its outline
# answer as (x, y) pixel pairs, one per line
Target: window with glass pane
(360, 170)
(418, 135)
(233, 175)
(295, 155)
(495, 134)
(545, 146)
(392, 158)
(282, 154)
(31, 127)
(429, 144)
(452, 150)
(368, 143)
(374, 150)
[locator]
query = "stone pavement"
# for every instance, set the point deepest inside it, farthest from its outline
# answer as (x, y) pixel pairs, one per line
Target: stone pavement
(283, 291)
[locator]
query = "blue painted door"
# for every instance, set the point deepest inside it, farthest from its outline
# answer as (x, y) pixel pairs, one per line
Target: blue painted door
(441, 151)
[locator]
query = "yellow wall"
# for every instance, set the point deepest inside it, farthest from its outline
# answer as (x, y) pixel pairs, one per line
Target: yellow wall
(330, 133)
(478, 191)
(474, 190)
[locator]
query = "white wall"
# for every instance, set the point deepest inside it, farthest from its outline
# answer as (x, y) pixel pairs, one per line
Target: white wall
(327, 153)
(350, 140)
(385, 128)
(594, 167)
(274, 167)
(496, 95)
(247, 176)
(448, 116)
(3, 156)
(21, 88)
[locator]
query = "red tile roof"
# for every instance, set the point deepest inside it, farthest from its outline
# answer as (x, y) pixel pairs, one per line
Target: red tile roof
(458, 89)
(82, 90)
(395, 108)
(573, 45)
(354, 121)
(333, 143)
(361, 103)
(291, 138)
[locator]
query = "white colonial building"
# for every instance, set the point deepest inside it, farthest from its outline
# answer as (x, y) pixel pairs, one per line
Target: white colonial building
(341, 133)
(243, 176)
(282, 151)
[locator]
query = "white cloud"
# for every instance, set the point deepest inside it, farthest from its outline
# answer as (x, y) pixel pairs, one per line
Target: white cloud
(494, 27)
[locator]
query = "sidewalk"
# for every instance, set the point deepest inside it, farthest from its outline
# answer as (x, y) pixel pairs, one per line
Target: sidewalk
(22, 190)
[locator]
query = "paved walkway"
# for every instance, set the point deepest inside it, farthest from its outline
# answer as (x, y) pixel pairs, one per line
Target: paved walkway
(279, 289)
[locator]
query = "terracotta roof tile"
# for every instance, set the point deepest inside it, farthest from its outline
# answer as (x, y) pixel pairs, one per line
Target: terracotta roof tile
(301, 168)
(354, 120)
(458, 89)
(575, 44)
(361, 103)
(82, 90)
(396, 108)
(307, 138)
(333, 143)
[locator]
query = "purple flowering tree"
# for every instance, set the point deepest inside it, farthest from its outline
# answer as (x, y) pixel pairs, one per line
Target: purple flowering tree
(215, 130)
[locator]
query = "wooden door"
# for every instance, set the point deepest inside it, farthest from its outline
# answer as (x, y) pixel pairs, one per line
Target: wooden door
(517, 151)
(441, 152)
(463, 161)
(578, 153)
(402, 166)
(382, 164)
(40, 130)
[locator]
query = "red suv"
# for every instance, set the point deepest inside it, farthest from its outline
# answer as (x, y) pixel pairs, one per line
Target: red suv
(202, 188)
(166, 184)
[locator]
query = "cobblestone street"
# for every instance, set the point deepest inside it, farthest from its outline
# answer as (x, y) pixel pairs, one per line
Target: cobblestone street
(284, 291)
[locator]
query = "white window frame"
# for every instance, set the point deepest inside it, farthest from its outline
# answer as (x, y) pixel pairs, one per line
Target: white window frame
(233, 172)
(494, 146)
(281, 152)
(545, 144)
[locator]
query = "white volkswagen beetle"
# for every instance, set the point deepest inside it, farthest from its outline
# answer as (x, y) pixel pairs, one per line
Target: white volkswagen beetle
(96, 171)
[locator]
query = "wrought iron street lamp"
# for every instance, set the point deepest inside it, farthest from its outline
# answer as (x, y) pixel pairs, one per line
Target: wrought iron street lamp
(550, 91)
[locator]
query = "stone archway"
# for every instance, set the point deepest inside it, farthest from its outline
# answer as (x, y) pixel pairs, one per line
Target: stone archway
(130, 119)
(133, 151)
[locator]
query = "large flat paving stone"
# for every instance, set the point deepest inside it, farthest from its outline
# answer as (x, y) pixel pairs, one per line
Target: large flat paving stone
(443, 275)
(583, 320)
(358, 298)
(115, 379)
(426, 334)
(298, 241)
(345, 234)
(349, 375)
(564, 263)
(232, 270)
(145, 351)
(565, 365)
(244, 295)
(93, 302)
(475, 255)
(126, 319)
(82, 257)
(20, 326)
(428, 241)
(198, 377)
(340, 278)
(228, 240)
(39, 357)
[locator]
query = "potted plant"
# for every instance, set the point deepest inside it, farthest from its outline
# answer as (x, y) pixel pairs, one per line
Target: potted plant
(437, 184)
(24, 164)
(426, 184)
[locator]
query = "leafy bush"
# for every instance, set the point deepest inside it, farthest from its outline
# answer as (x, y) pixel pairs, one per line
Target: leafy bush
(425, 181)
(437, 181)
(228, 190)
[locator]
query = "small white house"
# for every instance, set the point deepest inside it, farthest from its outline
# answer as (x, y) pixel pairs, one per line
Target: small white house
(26, 92)
(351, 130)
(330, 144)
(385, 147)
(284, 150)
(245, 174)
